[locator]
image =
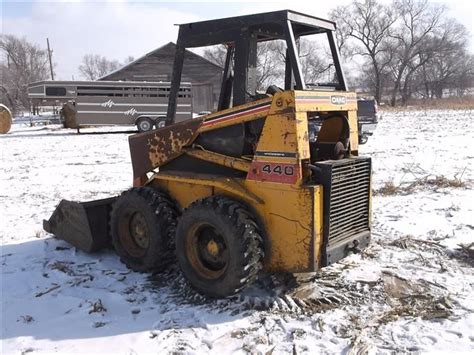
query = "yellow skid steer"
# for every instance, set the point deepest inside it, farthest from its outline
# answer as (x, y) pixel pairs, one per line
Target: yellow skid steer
(271, 180)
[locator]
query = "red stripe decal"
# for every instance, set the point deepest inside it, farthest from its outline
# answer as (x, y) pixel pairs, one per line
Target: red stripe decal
(235, 115)
(319, 100)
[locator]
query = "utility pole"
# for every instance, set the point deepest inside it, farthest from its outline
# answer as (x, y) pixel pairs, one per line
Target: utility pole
(50, 53)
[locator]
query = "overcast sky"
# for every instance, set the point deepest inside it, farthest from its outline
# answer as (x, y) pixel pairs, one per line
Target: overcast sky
(117, 29)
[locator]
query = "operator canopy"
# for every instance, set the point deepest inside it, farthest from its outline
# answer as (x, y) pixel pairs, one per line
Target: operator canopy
(241, 35)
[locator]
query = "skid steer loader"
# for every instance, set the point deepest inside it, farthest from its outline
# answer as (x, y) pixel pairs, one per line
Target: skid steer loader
(270, 181)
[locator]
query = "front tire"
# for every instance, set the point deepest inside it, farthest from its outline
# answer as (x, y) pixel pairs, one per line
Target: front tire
(143, 225)
(219, 246)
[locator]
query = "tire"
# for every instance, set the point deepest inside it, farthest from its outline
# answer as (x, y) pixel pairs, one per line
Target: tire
(143, 225)
(219, 246)
(144, 124)
(363, 139)
(160, 123)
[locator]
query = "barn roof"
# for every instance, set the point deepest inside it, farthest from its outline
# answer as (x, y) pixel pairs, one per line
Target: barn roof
(156, 51)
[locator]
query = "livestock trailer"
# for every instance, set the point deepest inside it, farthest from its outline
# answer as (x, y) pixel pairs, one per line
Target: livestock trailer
(97, 103)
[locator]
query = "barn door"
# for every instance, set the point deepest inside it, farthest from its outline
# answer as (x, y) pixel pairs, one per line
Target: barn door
(202, 97)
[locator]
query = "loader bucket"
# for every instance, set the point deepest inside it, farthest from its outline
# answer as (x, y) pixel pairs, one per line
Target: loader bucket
(85, 225)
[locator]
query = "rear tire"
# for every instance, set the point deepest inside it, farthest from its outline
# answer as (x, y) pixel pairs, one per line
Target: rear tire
(219, 246)
(143, 225)
(160, 123)
(144, 124)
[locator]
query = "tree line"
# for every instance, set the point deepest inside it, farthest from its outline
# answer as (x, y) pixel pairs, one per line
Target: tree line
(402, 49)
(408, 48)
(22, 63)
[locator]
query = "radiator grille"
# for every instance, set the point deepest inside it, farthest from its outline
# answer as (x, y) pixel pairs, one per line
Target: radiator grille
(346, 194)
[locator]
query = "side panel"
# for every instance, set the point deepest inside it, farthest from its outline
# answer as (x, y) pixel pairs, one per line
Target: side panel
(184, 193)
(109, 110)
(281, 145)
(354, 131)
(318, 213)
(292, 218)
(287, 213)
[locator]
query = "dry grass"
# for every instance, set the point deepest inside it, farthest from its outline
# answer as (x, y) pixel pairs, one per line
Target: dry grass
(465, 252)
(442, 181)
(433, 183)
(410, 242)
(468, 249)
(424, 306)
(97, 307)
(387, 189)
(450, 103)
(63, 267)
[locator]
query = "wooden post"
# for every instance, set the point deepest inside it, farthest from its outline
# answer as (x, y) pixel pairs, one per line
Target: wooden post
(50, 53)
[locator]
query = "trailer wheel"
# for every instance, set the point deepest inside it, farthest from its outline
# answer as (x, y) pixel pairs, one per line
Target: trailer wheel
(143, 225)
(363, 139)
(160, 123)
(219, 246)
(144, 124)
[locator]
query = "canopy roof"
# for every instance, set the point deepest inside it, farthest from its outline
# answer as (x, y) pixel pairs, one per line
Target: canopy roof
(265, 26)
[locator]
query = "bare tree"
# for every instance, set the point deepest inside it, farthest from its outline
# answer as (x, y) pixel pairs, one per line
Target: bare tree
(128, 59)
(441, 67)
(94, 66)
(413, 36)
(342, 15)
(22, 63)
(368, 24)
(316, 63)
(271, 62)
(216, 54)
(465, 78)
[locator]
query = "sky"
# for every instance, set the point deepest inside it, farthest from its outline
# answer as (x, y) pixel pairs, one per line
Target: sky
(118, 29)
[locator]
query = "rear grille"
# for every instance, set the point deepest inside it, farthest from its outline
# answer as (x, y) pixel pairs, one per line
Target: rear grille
(346, 185)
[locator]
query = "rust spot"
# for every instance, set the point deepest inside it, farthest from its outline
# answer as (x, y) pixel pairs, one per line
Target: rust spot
(152, 149)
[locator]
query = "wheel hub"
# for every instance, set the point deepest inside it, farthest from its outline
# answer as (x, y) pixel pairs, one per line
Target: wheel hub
(213, 248)
(138, 230)
(207, 251)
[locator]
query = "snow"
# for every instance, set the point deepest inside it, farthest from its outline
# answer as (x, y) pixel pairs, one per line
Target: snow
(411, 290)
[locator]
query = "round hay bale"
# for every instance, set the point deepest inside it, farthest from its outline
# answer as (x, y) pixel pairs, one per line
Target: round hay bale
(68, 115)
(5, 119)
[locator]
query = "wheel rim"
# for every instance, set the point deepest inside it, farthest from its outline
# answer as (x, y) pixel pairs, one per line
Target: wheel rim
(145, 125)
(134, 234)
(207, 251)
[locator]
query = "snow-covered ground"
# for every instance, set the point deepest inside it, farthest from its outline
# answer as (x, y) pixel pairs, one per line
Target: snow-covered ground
(411, 290)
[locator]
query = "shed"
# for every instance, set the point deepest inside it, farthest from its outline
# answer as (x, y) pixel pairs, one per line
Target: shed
(204, 76)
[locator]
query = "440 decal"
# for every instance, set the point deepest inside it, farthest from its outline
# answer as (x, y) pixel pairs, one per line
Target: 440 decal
(275, 172)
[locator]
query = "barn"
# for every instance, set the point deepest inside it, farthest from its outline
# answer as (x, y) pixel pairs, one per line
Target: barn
(204, 76)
